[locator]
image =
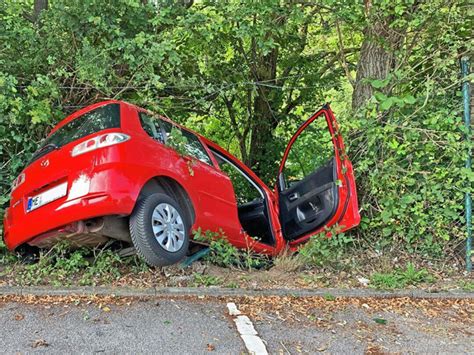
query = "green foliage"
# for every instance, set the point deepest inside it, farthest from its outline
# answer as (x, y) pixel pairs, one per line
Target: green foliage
(179, 143)
(400, 278)
(205, 280)
(323, 251)
(467, 285)
(246, 74)
(61, 266)
(224, 254)
(6, 257)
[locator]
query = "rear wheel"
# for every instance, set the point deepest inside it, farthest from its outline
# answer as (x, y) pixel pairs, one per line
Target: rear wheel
(159, 230)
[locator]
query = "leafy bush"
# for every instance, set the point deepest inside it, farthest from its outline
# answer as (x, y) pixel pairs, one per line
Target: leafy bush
(224, 254)
(323, 250)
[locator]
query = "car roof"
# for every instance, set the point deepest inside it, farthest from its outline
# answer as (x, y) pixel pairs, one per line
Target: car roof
(91, 107)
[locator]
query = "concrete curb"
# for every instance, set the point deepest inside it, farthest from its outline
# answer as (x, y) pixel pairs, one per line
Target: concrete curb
(223, 292)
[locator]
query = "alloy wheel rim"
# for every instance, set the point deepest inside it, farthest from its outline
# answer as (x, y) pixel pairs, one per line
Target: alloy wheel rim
(168, 227)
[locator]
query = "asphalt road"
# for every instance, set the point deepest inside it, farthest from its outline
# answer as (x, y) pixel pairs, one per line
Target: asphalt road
(197, 326)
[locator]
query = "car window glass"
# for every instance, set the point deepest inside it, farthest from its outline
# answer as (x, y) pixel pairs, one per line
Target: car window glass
(151, 126)
(311, 150)
(244, 190)
(91, 122)
(94, 121)
(167, 127)
(185, 142)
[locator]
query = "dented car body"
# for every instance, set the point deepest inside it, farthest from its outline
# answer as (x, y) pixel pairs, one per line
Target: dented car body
(111, 171)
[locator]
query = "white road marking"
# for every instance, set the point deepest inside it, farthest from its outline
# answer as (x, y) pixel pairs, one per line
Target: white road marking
(233, 311)
(249, 335)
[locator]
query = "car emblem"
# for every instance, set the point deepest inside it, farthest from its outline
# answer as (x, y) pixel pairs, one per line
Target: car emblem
(45, 163)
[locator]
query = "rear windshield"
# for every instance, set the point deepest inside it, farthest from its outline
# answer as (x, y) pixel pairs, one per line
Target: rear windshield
(91, 122)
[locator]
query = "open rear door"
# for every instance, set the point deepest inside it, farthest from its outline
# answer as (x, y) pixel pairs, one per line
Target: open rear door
(316, 186)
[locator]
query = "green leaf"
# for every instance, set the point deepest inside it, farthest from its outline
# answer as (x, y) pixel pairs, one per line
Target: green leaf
(409, 99)
(385, 105)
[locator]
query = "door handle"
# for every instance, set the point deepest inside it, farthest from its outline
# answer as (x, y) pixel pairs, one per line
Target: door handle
(293, 196)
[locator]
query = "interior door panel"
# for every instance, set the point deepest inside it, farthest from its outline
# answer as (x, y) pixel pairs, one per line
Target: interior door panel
(253, 216)
(307, 204)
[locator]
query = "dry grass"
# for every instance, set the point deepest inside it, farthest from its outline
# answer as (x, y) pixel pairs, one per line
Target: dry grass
(287, 261)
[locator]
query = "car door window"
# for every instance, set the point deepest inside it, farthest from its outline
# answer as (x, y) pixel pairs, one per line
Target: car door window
(185, 142)
(151, 126)
(312, 150)
(245, 189)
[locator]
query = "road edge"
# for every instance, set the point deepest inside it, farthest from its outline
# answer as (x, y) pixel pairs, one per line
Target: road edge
(224, 292)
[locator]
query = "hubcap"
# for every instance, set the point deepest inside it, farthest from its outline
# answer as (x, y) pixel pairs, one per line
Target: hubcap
(168, 227)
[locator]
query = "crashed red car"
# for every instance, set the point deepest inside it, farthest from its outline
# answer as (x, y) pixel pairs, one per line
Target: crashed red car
(111, 171)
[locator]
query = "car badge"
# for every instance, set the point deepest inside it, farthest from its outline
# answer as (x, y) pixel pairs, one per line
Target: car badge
(45, 163)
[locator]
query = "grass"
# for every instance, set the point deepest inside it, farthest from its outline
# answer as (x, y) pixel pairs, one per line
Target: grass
(467, 285)
(288, 262)
(312, 266)
(224, 254)
(400, 278)
(206, 280)
(62, 266)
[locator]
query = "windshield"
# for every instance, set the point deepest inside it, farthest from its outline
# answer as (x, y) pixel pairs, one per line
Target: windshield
(91, 122)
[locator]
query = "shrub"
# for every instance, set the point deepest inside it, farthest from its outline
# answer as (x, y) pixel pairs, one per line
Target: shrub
(224, 254)
(324, 250)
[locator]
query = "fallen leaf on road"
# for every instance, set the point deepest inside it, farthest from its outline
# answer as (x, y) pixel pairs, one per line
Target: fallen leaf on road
(19, 316)
(39, 342)
(106, 309)
(211, 347)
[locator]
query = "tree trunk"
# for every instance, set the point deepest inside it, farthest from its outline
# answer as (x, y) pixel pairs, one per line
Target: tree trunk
(39, 6)
(377, 56)
(265, 120)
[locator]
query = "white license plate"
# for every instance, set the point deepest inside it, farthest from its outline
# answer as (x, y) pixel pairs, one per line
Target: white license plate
(46, 197)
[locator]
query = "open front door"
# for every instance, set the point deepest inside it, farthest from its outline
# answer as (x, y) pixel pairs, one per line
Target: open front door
(316, 185)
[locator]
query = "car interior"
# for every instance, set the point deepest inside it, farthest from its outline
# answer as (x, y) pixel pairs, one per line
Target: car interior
(251, 202)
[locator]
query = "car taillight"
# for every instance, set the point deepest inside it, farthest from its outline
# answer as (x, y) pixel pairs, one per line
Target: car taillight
(18, 181)
(104, 140)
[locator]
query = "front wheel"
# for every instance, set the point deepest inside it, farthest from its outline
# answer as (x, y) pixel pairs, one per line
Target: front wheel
(159, 230)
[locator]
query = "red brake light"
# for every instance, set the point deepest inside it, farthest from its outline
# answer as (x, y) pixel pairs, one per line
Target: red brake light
(18, 181)
(104, 140)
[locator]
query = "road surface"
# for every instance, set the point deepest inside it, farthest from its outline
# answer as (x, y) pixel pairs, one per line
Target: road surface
(203, 326)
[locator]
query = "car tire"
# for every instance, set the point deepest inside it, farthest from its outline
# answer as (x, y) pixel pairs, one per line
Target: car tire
(159, 229)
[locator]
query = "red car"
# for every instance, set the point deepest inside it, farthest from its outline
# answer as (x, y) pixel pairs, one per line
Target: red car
(116, 171)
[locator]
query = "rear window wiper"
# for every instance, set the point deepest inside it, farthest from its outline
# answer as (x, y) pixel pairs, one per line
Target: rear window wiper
(43, 151)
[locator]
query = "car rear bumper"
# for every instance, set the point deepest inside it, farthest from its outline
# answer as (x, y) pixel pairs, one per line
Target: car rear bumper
(104, 192)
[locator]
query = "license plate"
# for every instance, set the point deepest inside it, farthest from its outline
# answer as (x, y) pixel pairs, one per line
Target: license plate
(46, 197)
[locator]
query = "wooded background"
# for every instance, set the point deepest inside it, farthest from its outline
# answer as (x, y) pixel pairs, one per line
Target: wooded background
(246, 73)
